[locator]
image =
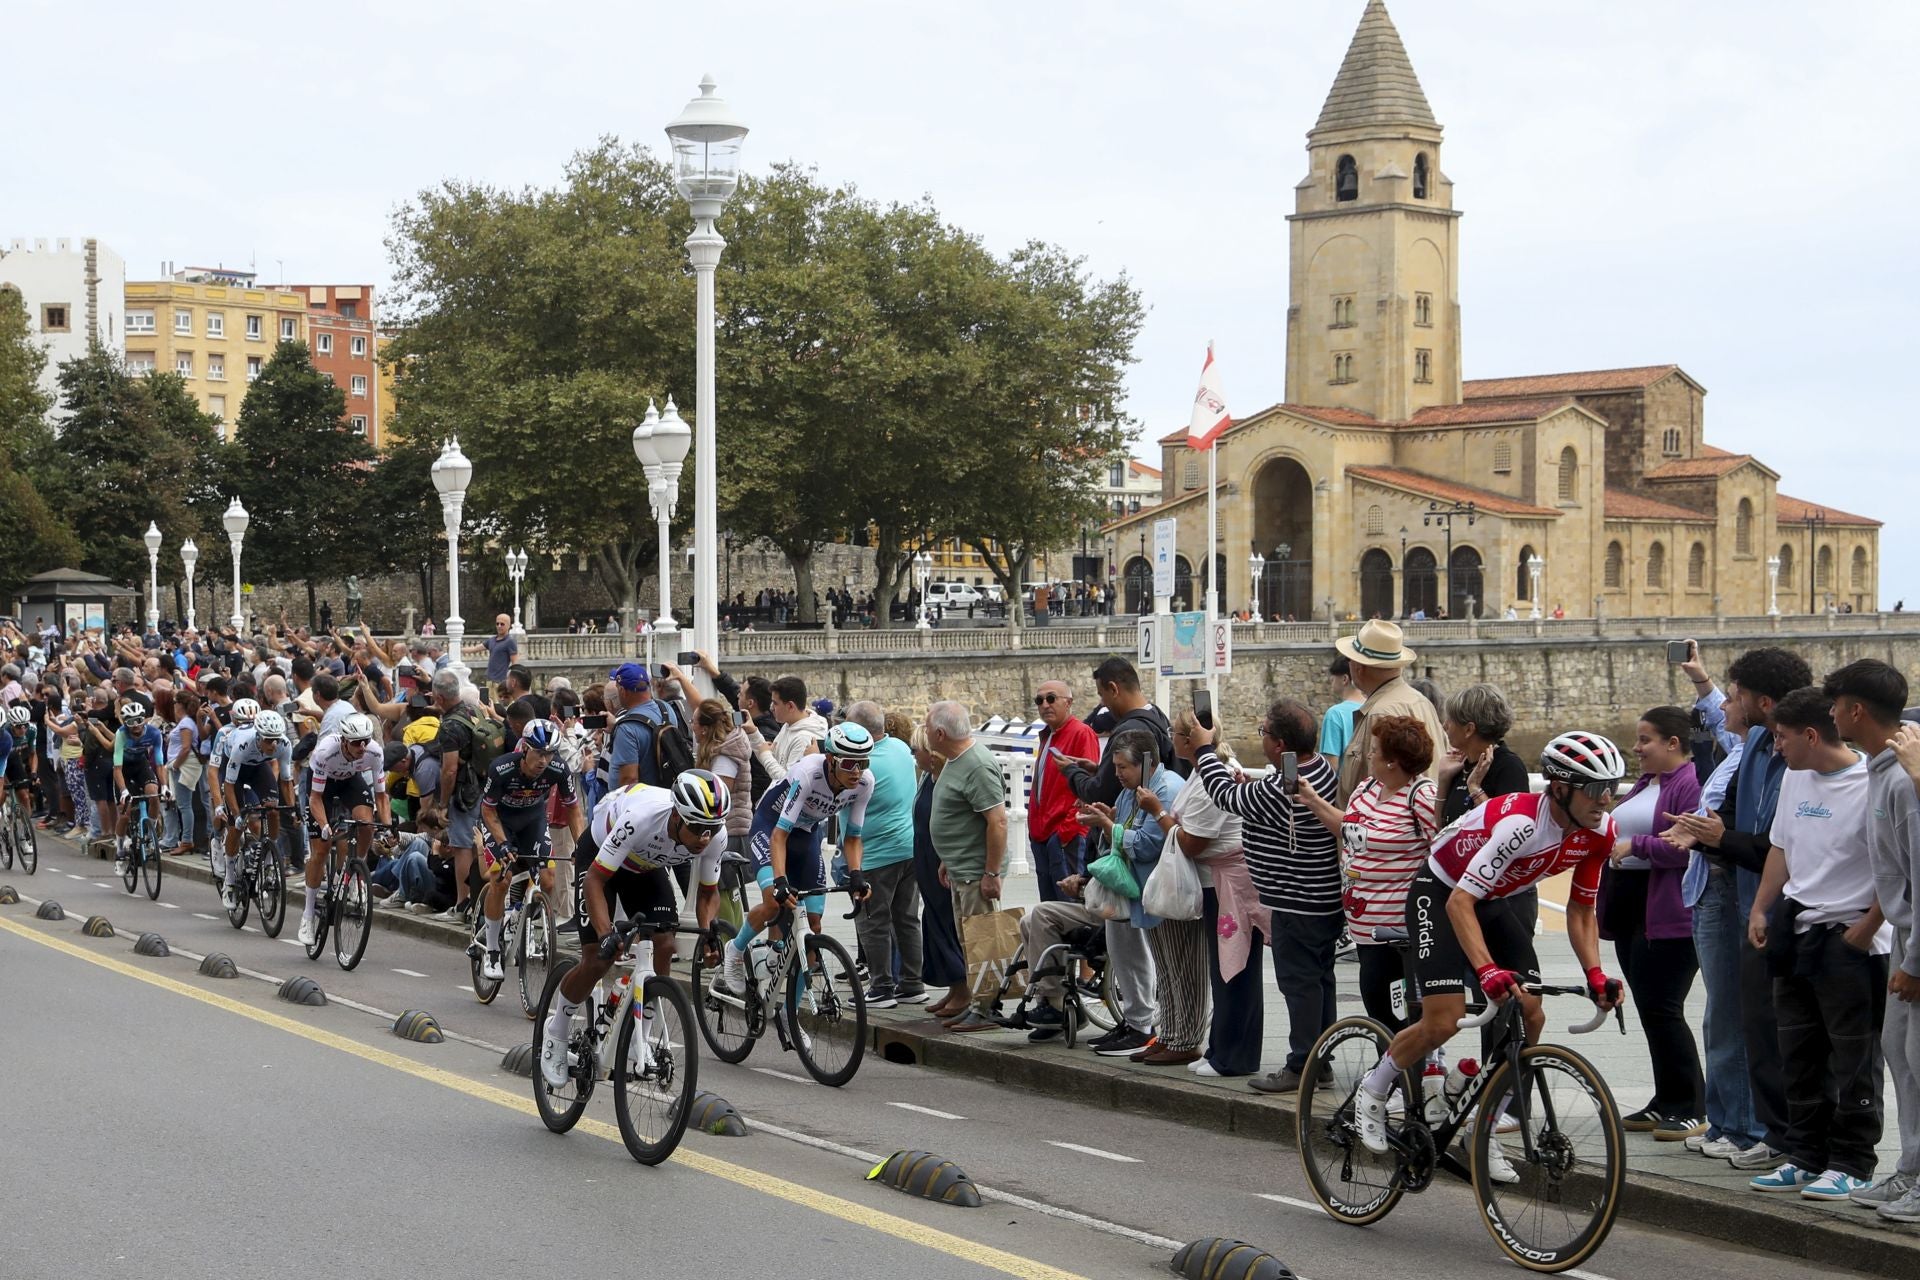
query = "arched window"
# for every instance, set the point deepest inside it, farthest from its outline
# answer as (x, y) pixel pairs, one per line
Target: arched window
(1376, 521)
(1786, 566)
(1616, 567)
(1670, 442)
(1823, 570)
(1697, 567)
(1657, 567)
(1423, 366)
(1420, 176)
(1423, 309)
(1743, 528)
(1569, 474)
(1524, 591)
(1346, 179)
(1860, 569)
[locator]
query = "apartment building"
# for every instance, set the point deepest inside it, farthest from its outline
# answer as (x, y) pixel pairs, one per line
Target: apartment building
(73, 294)
(214, 327)
(342, 336)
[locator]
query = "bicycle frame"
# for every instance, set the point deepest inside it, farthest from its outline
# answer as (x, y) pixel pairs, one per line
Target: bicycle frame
(779, 970)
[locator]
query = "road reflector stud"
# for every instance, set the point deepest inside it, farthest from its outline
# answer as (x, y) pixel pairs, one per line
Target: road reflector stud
(519, 1060)
(151, 944)
(418, 1026)
(219, 964)
(923, 1174)
(714, 1114)
(1216, 1259)
(50, 910)
(8, 895)
(302, 990)
(97, 927)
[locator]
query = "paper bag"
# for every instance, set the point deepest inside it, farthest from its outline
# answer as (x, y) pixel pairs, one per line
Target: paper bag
(992, 942)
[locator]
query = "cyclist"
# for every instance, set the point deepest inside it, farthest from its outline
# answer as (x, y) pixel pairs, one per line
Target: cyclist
(139, 761)
(785, 837)
(17, 739)
(1457, 920)
(513, 818)
(238, 715)
(259, 763)
(347, 782)
(638, 833)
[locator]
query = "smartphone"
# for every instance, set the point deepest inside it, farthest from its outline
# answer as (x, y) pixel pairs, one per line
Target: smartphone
(595, 722)
(1203, 708)
(1059, 755)
(1678, 651)
(662, 673)
(687, 659)
(1290, 773)
(739, 719)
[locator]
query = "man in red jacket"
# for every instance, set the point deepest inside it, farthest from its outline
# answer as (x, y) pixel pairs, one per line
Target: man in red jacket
(1054, 833)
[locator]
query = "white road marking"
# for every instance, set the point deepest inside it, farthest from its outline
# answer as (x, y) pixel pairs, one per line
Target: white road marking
(1093, 1151)
(99, 885)
(1308, 1205)
(1578, 1274)
(411, 973)
(781, 1075)
(292, 942)
(170, 906)
(461, 986)
(926, 1111)
(72, 876)
(247, 928)
(201, 915)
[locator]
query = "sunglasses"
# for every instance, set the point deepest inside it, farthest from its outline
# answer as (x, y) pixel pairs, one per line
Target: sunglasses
(1047, 699)
(1597, 790)
(704, 829)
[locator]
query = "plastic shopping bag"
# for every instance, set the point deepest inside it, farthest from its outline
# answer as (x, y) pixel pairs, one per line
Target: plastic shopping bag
(1172, 892)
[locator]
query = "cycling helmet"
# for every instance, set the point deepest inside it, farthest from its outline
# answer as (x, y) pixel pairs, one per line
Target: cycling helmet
(849, 741)
(270, 726)
(244, 710)
(1581, 758)
(540, 735)
(357, 728)
(19, 714)
(700, 797)
(133, 714)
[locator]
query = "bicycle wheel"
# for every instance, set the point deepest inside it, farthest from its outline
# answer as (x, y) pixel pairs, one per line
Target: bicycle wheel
(6, 838)
(484, 988)
(150, 864)
(131, 876)
(1351, 1183)
(25, 840)
(352, 915)
(655, 1066)
(722, 1026)
(560, 1109)
(533, 950)
(827, 1008)
(323, 917)
(1560, 1210)
(245, 891)
(270, 888)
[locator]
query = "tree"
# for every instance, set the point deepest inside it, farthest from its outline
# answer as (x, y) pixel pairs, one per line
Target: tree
(301, 473)
(35, 536)
(400, 488)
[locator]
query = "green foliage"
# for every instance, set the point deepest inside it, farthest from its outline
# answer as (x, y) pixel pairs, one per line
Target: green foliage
(35, 537)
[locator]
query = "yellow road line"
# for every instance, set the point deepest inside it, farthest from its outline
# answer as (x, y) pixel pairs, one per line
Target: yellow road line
(794, 1193)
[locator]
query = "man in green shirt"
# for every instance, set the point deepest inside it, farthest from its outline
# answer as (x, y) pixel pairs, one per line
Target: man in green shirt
(969, 828)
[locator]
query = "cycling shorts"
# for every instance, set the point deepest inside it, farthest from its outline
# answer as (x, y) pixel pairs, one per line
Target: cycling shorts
(1439, 964)
(526, 832)
(137, 773)
(344, 795)
(17, 769)
(805, 868)
(643, 895)
(256, 783)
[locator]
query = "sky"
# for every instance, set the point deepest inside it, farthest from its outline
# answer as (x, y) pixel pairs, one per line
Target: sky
(1726, 184)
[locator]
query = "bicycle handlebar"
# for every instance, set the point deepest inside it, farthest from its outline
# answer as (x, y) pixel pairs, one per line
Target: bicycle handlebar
(801, 895)
(1594, 1023)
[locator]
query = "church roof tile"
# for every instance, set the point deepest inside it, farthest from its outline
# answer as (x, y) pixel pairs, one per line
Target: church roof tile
(1376, 84)
(1442, 415)
(1622, 505)
(1566, 383)
(1788, 510)
(1426, 486)
(1713, 465)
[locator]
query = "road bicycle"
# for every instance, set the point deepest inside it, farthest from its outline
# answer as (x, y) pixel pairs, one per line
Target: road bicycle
(345, 908)
(263, 877)
(529, 939)
(655, 1064)
(143, 848)
(821, 1015)
(1565, 1145)
(17, 838)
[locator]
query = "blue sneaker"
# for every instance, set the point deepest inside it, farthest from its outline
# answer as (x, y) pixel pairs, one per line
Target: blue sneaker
(1834, 1185)
(1788, 1177)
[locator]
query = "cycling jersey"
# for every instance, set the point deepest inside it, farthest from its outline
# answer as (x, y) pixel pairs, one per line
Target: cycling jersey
(629, 829)
(809, 800)
(329, 763)
(244, 751)
(509, 788)
(148, 748)
(1511, 842)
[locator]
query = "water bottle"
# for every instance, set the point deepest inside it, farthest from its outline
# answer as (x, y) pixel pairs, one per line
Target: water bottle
(1433, 1085)
(762, 965)
(1458, 1078)
(618, 992)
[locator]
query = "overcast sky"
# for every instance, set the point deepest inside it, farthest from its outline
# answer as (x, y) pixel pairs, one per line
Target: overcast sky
(1725, 184)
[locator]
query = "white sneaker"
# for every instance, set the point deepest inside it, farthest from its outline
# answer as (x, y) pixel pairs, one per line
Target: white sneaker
(1370, 1118)
(306, 931)
(1695, 1142)
(1499, 1168)
(1719, 1148)
(733, 971)
(490, 967)
(120, 865)
(393, 902)
(229, 896)
(1757, 1156)
(553, 1058)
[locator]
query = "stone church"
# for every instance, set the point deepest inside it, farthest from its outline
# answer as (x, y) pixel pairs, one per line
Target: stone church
(1385, 485)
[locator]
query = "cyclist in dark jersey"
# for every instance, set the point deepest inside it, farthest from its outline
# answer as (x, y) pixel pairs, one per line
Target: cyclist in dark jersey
(513, 816)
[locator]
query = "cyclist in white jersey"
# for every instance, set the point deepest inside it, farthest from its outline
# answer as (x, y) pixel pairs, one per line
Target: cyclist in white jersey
(347, 782)
(259, 763)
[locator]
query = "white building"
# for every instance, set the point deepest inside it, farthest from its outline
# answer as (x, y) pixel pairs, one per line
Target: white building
(75, 291)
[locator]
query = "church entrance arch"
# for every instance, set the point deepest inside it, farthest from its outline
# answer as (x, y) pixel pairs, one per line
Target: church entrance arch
(1465, 582)
(1376, 584)
(1421, 588)
(1139, 586)
(1283, 533)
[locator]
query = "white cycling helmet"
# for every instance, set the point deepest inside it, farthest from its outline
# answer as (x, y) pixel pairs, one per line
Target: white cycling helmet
(849, 741)
(133, 713)
(270, 726)
(699, 796)
(357, 728)
(1582, 758)
(244, 710)
(18, 714)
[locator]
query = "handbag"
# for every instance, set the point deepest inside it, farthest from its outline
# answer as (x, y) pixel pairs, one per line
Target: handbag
(1172, 892)
(1115, 871)
(1104, 902)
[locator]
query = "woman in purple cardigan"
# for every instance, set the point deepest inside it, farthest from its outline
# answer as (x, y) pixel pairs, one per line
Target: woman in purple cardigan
(1652, 931)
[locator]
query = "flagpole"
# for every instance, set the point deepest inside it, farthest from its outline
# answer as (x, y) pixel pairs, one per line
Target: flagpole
(1213, 564)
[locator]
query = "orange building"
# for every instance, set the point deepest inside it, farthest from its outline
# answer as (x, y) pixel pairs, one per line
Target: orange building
(342, 338)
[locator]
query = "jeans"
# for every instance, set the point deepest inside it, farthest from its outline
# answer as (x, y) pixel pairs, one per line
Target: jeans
(170, 818)
(890, 920)
(1303, 966)
(182, 825)
(407, 873)
(1719, 931)
(1766, 1085)
(1830, 1022)
(1054, 859)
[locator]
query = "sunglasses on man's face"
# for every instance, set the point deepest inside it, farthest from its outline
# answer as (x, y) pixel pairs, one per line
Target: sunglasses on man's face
(1046, 699)
(702, 830)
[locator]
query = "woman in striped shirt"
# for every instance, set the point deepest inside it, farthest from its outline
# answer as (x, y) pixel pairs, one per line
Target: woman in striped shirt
(1385, 834)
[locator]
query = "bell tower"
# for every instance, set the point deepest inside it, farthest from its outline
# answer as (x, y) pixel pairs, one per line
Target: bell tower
(1373, 321)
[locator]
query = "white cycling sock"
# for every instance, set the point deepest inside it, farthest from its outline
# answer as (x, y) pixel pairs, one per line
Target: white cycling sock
(1379, 1081)
(313, 904)
(233, 873)
(493, 934)
(562, 1014)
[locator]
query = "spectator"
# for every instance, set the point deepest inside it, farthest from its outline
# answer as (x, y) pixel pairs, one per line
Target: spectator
(1336, 726)
(1385, 836)
(943, 961)
(1477, 765)
(1042, 603)
(1123, 706)
(184, 767)
(631, 756)
(968, 823)
(414, 877)
(756, 699)
(502, 648)
(1296, 870)
(1642, 912)
(1815, 920)
(1054, 835)
(1379, 662)
(720, 747)
(458, 799)
(889, 921)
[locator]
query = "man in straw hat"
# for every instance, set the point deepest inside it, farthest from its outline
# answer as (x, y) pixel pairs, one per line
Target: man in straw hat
(1380, 659)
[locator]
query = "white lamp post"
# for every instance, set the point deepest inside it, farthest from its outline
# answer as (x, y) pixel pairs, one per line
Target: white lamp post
(517, 569)
(189, 554)
(706, 155)
(1535, 567)
(1256, 569)
(1773, 586)
(922, 574)
(152, 538)
(236, 522)
(661, 442)
(451, 475)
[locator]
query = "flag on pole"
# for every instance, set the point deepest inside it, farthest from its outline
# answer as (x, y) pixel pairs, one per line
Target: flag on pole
(1210, 416)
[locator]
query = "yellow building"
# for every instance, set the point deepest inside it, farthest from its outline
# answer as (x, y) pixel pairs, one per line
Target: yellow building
(1386, 485)
(213, 328)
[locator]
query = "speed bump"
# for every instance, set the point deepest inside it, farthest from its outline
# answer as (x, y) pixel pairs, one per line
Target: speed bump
(519, 1060)
(1217, 1259)
(8, 895)
(219, 964)
(50, 910)
(419, 1026)
(714, 1114)
(923, 1174)
(301, 989)
(97, 927)
(151, 944)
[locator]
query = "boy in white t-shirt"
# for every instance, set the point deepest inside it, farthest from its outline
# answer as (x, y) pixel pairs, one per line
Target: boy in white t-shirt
(1830, 982)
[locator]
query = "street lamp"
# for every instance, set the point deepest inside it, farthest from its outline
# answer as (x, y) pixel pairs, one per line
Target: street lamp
(517, 569)
(189, 554)
(1256, 569)
(1282, 552)
(451, 475)
(236, 522)
(152, 538)
(1773, 586)
(706, 157)
(1435, 514)
(661, 443)
(922, 572)
(1816, 519)
(1535, 567)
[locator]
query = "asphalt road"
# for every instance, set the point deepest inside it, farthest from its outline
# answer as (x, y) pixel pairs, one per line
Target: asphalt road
(159, 1124)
